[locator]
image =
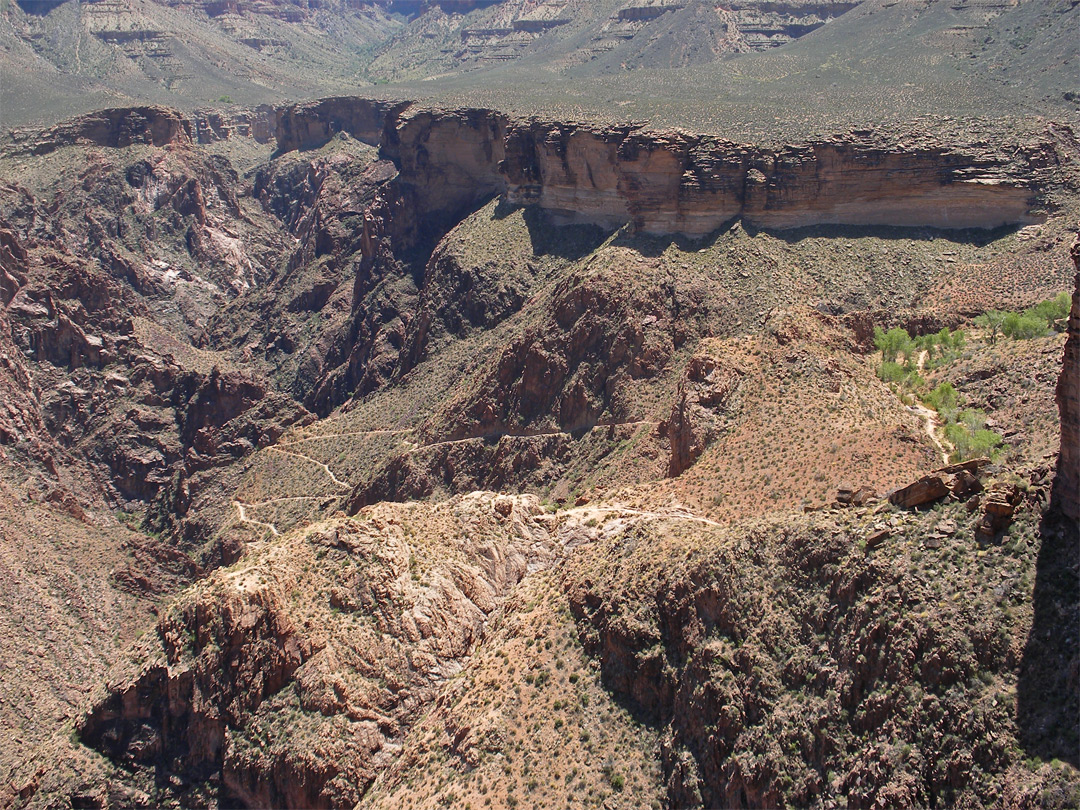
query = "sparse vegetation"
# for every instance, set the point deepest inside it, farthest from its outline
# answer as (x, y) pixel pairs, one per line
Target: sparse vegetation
(310, 368)
(1035, 322)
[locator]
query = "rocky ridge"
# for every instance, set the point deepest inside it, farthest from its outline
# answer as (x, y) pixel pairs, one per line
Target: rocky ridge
(240, 654)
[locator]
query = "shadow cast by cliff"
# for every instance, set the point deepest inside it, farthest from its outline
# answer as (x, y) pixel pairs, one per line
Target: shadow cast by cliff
(569, 242)
(975, 237)
(1048, 691)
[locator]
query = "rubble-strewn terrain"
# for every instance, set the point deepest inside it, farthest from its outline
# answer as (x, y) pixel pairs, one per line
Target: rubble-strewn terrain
(420, 450)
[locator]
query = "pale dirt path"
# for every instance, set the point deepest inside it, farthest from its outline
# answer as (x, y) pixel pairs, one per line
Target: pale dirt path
(343, 435)
(241, 510)
(291, 498)
(420, 447)
(343, 484)
(930, 424)
(929, 416)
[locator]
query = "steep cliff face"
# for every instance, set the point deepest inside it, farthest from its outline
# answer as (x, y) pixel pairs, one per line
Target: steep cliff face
(690, 185)
(118, 127)
(310, 125)
(1068, 398)
(677, 183)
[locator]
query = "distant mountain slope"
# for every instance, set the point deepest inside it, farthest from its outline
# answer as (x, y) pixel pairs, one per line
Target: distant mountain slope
(747, 66)
(615, 34)
(82, 56)
(881, 61)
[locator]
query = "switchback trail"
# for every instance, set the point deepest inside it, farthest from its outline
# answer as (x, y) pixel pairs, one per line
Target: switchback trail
(675, 514)
(380, 432)
(242, 512)
(494, 436)
(343, 484)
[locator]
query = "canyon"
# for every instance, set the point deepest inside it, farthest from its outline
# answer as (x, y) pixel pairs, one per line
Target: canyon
(534, 308)
(539, 404)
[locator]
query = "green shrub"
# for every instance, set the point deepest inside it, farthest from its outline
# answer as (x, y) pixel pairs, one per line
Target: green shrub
(1054, 311)
(944, 399)
(1023, 327)
(1031, 323)
(992, 322)
(971, 441)
(891, 372)
(896, 373)
(984, 443)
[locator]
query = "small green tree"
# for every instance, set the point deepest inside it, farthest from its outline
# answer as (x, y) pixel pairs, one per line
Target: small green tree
(1054, 311)
(944, 399)
(973, 419)
(1023, 326)
(892, 343)
(992, 321)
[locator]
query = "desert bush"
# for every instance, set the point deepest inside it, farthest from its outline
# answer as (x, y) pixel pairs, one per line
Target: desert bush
(1023, 326)
(1054, 311)
(945, 400)
(970, 438)
(992, 321)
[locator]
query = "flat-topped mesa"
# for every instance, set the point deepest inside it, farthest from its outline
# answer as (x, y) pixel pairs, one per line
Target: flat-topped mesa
(118, 127)
(681, 183)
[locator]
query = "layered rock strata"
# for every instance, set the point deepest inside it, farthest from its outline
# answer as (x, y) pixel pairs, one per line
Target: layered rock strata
(118, 127)
(680, 183)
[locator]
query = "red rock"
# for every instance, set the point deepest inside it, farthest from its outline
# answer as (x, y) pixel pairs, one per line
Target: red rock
(1067, 484)
(926, 490)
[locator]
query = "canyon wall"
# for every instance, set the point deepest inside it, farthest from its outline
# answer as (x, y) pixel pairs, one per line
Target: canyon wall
(681, 183)
(1068, 396)
(117, 127)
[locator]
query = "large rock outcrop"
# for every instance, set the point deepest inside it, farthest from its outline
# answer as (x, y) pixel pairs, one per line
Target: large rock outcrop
(1068, 397)
(118, 127)
(681, 183)
(312, 124)
(294, 677)
(785, 666)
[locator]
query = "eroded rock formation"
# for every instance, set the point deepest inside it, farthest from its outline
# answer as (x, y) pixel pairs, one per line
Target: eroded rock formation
(668, 183)
(117, 127)
(206, 698)
(1068, 397)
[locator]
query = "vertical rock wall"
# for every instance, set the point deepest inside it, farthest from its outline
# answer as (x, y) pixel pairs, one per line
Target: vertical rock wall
(1067, 487)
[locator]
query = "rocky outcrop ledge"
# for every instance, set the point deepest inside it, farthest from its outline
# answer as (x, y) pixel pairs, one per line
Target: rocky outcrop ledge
(684, 183)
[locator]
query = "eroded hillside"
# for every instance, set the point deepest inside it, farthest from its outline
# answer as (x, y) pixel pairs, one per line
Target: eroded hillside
(622, 385)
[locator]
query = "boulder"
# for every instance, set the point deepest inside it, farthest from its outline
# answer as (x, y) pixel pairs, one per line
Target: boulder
(926, 490)
(958, 480)
(999, 506)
